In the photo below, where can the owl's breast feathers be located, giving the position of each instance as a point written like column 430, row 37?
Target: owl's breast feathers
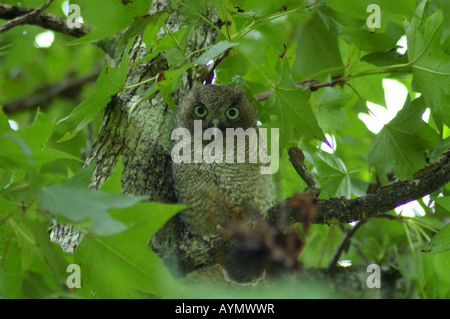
column 216, row 193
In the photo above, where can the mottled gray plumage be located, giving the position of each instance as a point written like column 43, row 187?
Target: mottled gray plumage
column 217, row 193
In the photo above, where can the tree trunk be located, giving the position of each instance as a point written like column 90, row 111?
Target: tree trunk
column 142, row 137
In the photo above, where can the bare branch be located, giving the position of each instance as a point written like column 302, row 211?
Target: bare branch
column 313, row 85
column 45, row 20
column 386, row 198
column 344, row 244
column 23, row 19
column 296, row 157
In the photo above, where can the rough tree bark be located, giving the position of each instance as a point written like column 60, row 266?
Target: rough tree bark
column 142, row 137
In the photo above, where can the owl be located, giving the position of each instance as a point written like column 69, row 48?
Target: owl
column 219, row 192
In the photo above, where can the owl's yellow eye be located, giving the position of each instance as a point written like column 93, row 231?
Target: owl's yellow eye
column 200, row 111
column 233, row 113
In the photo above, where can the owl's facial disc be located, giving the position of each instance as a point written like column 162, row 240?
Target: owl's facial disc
column 215, row 123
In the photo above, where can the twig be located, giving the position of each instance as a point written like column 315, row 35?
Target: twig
column 296, row 157
column 45, row 20
column 55, row 23
column 23, row 19
column 342, row 210
column 268, row 18
column 344, row 244
column 313, row 85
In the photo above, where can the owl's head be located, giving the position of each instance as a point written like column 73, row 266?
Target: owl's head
column 220, row 106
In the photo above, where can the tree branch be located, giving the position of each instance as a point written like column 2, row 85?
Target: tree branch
column 313, row 85
column 55, row 23
column 344, row 244
column 191, row 257
column 22, row 19
column 386, row 198
column 328, row 211
column 69, row 87
column 45, row 20
column 296, row 157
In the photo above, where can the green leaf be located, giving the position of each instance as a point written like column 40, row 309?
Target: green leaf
column 53, row 269
column 177, row 55
column 358, row 8
column 115, row 16
column 440, row 242
column 32, row 266
column 327, row 107
column 147, row 94
column 139, row 24
column 430, row 62
column 109, row 82
column 38, row 133
column 153, row 28
column 114, row 182
column 4, row 124
column 172, row 40
column 173, row 43
column 321, row 60
column 388, row 59
column 370, row 87
column 400, row 145
column 25, row 148
column 428, row 273
column 439, row 149
column 441, row 263
column 125, row 261
column 11, row 265
column 169, row 80
column 215, row 51
column 445, row 37
column 444, row 202
column 74, row 201
column 291, row 106
column 330, row 171
column 374, row 41
column 167, row 90
column 138, row 6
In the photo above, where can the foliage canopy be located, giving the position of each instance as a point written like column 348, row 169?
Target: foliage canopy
column 272, row 46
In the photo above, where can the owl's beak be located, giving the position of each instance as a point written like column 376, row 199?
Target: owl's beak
column 215, row 123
